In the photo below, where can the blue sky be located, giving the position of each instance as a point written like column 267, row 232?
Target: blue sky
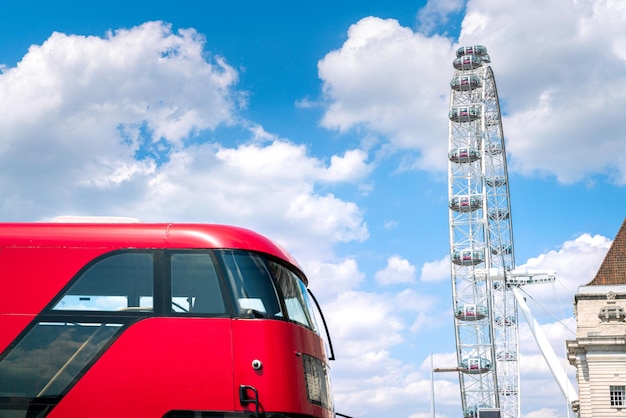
column 324, row 126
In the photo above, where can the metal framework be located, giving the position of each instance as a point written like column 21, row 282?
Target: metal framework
column 481, row 240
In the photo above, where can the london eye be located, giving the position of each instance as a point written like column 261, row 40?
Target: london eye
column 481, row 240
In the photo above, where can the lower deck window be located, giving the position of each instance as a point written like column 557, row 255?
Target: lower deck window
column 46, row 360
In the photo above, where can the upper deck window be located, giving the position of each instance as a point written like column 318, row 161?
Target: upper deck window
column 195, row 284
column 120, row 282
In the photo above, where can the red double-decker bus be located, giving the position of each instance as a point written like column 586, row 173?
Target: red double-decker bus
column 155, row 320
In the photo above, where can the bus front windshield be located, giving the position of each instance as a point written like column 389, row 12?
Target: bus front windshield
column 254, row 279
column 295, row 296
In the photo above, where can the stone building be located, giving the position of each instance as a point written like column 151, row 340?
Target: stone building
column 599, row 351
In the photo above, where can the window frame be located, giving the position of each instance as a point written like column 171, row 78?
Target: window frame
column 617, row 396
column 167, row 282
column 161, row 287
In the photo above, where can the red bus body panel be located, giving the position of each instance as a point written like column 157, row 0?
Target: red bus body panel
column 278, row 345
column 200, row 373
column 157, row 364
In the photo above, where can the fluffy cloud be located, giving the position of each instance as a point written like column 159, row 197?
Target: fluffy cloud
column 543, row 413
column 267, row 187
column 436, row 13
column 576, row 264
column 385, row 78
column 363, row 315
column 435, row 271
column 398, row 270
column 329, row 280
column 557, row 68
column 82, row 112
column 365, row 328
column 90, row 122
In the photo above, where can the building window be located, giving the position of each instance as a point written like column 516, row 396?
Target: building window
column 618, row 395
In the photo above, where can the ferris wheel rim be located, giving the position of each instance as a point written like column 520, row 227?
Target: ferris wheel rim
column 481, row 237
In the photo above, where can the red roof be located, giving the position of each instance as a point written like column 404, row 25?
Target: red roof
column 613, row 268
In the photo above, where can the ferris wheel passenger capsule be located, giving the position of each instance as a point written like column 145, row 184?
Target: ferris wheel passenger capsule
column 506, row 320
column 475, row 365
column 467, row 62
column 506, row 356
column 464, row 113
column 495, row 181
column 479, row 50
column 472, row 411
column 465, row 83
column 468, row 257
column 493, row 149
column 504, row 250
column 471, row 312
column 463, row 155
column 466, row 203
column 498, row 214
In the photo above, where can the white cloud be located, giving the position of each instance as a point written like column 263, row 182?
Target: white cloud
column 557, row 68
column 426, row 309
column 269, row 188
column 282, row 158
column 542, row 413
column 369, row 322
column 351, row 166
column 146, row 74
column 89, row 122
column 398, row 270
column 329, row 280
column 82, row 112
column 387, row 79
column 436, row 13
column 390, row 224
column 436, row 271
column 367, row 328
column 576, row 264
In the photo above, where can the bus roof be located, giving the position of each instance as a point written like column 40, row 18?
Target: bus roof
column 138, row 235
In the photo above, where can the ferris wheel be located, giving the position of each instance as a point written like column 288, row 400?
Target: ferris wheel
column 481, row 241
